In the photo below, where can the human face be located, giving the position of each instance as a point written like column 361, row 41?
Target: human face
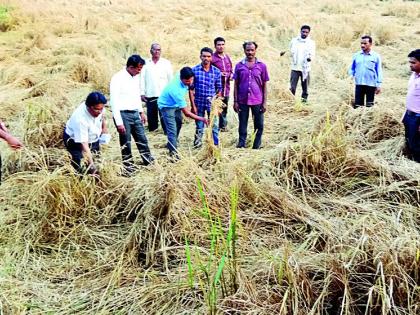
column 155, row 51
column 220, row 47
column 96, row 110
column 133, row 71
column 414, row 64
column 304, row 33
column 205, row 58
column 250, row 51
column 365, row 45
column 188, row 82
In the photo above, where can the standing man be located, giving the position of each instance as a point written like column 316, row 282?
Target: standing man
column 207, row 84
column 222, row 61
column 412, row 114
column 156, row 74
column 302, row 50
column 250, row 93
column 128, row 112
column 366, row 69
column 171, row 103
column 12, row 141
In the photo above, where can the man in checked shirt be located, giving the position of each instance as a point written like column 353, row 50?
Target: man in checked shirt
column 207, row 84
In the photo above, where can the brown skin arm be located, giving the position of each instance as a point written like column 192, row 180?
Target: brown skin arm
column 192, row 101
column 235, row 97
column 104, row 127
column 194, row 116
column 264, row 104
column 12, row 141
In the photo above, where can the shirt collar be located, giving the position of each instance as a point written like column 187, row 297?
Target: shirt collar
column 369, row 53
column 244, row 61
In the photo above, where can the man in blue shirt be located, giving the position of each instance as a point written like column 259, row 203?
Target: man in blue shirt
column 207, row 84
column 171, row 103
column 366, row 68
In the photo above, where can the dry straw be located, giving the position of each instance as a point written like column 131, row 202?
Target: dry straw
column 324, row 219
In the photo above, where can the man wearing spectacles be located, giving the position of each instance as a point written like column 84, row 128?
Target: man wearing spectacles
column 128, row 112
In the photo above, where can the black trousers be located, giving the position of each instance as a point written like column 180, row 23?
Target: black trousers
column 363, row 91
column 223, row 115
column 133, row 127
column 153, row 114
column 258, row 117
column 412, row 134
column 76, row 151
column 294, row 79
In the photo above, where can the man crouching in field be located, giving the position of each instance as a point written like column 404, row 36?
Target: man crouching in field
column 411, row 118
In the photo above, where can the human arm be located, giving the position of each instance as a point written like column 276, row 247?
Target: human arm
column 104, row 126
column 192, row 101
column 235, row 96
column 218, row 83
column 264, row 90
column 115, row 106
column 12, row 141
column 378, row 69
column 143, row 85
column 352, row 69
column 194, row 116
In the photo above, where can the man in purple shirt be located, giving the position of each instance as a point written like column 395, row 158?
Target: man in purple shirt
column 250, row 93
column 222, row 61
column 412, row 114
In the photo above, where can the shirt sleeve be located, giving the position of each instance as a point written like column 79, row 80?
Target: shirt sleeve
column 379, row 71
column 115, row 106
column 352, row 69
column 143, row 81
column 313, row 48
column 235, row 74
column 218, row 83
column 265, row 76
column 178, row 98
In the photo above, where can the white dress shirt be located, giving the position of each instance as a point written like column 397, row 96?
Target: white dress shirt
column 155, row 76
column 83, row 127
column 125, row 94
column 301, row 49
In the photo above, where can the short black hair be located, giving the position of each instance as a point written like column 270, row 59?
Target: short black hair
column 135, row 61
column 415, row 54
column 305, row 27
column 95, row 98
column 249, row 43
column 218, row 39
column 186, row 73
column 368, row 37
column 206, row 49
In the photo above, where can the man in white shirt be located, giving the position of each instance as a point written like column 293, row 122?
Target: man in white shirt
column 83, row 131
column 156, row 74
column 302, row 50
column 128, row 112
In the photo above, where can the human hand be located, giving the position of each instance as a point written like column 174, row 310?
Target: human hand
column 14, row 142
column 206, row 121
column 121, row 129
column 263, row 108
column 143, row 98
column 236, row 107
column 378, row 90
column 143, row 118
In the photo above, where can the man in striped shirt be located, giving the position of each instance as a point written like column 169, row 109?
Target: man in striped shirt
column 207, row 84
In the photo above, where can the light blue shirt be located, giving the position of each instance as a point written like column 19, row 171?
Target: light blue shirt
column 173, row 95
column 366, row 69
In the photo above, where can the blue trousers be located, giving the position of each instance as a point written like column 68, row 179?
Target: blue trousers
column 412, row 134
column 172, row 117
column 199, row 131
